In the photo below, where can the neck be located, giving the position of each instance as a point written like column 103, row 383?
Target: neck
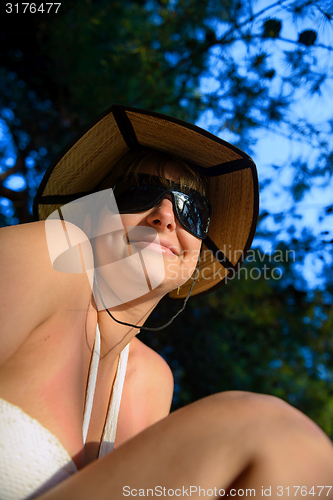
column 115, row 336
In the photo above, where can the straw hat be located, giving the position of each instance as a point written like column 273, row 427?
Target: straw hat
column 231, row 173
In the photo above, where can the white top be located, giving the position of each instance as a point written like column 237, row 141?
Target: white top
column 32, row 459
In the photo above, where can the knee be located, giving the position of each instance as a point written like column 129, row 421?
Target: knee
column 270, row 432
column 267, row 414
column 251, row 404
column 279, row 426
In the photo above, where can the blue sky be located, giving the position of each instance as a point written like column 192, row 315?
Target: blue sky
column 278, row 147
column 272, row 148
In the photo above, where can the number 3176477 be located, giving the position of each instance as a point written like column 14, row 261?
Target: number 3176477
column 32, row 8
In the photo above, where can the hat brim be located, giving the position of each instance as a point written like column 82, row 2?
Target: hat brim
column 232, row 181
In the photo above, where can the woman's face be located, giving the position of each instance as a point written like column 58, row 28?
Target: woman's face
column 151, row 252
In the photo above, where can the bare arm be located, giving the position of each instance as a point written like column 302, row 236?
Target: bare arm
column 31, row 290
column 223, row 442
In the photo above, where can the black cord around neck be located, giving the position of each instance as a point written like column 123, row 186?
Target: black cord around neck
column 146, row 327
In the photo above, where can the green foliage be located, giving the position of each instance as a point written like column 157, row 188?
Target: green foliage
column 258, row 333
column 154, row 54
column 243, row 68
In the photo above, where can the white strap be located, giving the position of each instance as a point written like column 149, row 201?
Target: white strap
column 91, row 384
column 110, row 428
column 109, row 434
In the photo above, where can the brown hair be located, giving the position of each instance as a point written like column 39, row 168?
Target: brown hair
column 132, row 162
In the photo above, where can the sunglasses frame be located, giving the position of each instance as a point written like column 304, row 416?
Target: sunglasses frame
column 173, row 190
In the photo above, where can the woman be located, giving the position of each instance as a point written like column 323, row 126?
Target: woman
column 76, row 290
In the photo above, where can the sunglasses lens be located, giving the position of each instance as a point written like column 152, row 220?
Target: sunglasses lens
column 137, row 198
column 192, row 208
column 193, row 213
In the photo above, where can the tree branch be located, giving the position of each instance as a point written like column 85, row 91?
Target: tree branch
column 14, row 196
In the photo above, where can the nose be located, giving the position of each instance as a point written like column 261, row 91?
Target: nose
column 162, row 215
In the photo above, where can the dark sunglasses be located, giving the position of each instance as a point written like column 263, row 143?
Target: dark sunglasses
column 141, row 192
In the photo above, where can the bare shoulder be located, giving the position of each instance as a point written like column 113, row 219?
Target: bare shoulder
column 147, row 393
column 31, row 289
column 150, row 369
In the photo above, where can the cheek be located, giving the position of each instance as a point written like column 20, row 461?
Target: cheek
column 189, row 242
column 110, row 248
column 110, row 242
column 192, row 248
column 130, row 220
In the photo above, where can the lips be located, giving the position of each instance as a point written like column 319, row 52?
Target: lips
column 167, row 244
column 146, row 236
column 159, row 244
